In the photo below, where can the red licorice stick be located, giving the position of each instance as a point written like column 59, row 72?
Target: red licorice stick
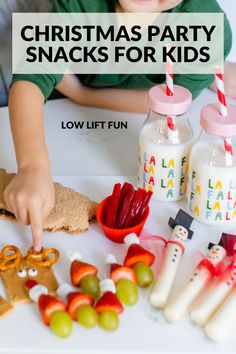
column 120, row 221
column 113, row 205
column 137, row 200
column 143, row 207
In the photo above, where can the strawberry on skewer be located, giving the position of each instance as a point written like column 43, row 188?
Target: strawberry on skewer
column 52, row 310
column 108, row 306
column 139, row 259
column 79, row 305
column 84, row 275
column 125, row 280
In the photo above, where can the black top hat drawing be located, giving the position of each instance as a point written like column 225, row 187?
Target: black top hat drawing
column 228, row 242
column 182, row 219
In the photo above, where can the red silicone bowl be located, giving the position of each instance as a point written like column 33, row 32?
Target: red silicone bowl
column 118, row 235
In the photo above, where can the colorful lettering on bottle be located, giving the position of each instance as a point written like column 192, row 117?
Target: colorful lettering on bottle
column 170, row 193
column 208, row 214
column 184, row 159
column 216, row 206
column 182, row 181
column 151, row 170
column 218, row 216
column 218, row 185
column 163, row 165
column 196, row 210
column 171, row 164
column 208, row 205
column 171, row 173
column 170, row 183
column 151, row 181
column 198, row 189
column 162, row 184
column 209, row 184
column 193, row 174
column 229, row 196
column 145, row 168
column 153, row 161
column 220, row 196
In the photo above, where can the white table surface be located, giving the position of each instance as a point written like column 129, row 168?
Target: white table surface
column 111, row 154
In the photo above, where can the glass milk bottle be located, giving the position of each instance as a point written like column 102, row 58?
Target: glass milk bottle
column 211, row 190
column 164, row 144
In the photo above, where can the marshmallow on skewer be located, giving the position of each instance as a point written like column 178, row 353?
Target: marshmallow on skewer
column 173, row 254
column 205, row 270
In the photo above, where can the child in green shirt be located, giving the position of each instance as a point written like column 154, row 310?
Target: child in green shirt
column 30, row 195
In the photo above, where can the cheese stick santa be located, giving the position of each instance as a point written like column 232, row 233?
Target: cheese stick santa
column 219, row 289
column 172, row 257
column 224, row 320
column 201, row 276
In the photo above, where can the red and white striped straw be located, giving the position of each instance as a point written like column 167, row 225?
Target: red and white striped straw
column 171, row 126
column 169, row 75
column 219, row 80
column 221, row 90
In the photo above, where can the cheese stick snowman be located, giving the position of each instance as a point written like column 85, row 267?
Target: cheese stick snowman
column 219, row 289
column 224, row 319
column 172, row 257
column 201, row 276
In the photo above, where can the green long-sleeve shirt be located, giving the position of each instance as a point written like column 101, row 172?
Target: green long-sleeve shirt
column 194, row 82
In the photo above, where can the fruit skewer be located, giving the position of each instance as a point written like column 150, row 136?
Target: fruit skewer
column 125, row 280
column 79, row 305
column 108, row 306
column 52, row 310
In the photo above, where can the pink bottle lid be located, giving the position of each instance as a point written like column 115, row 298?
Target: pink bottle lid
column 175, row 105
column 214, row 123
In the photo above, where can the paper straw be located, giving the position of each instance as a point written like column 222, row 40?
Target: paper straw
column 172, row 133
column 169, row 75
column 221, row 91
column 224, row 112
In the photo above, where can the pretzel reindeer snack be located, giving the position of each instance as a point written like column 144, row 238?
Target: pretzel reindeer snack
column 16, row 270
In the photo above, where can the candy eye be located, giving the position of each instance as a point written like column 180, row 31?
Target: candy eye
column 32, row 272
column 22, row 273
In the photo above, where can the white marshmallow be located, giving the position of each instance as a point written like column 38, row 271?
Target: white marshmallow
column 131, row 239
column 37, row 291
column 110, row 259
column 74, row 256
column 64, row 289
column 107, row 285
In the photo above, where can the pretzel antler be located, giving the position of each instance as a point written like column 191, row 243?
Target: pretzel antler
column 10, row 257
column 45, row 258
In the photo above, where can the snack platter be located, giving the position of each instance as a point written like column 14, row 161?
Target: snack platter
column 142, row 330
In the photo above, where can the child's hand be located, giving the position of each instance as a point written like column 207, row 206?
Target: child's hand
column 30, row 197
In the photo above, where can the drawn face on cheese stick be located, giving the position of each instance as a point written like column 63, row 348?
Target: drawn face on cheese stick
column 199, row 279
column 179, row 234
column 173, row 254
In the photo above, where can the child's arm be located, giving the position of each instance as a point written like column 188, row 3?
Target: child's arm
column 30, row 194
column 125, row 100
